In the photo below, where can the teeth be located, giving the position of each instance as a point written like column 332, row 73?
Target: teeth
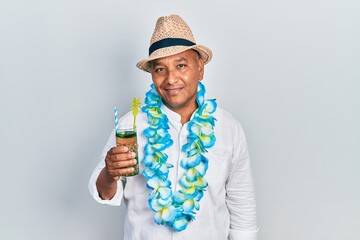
column 173, row 91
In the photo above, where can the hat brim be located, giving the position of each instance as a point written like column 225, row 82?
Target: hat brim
column 205, row 53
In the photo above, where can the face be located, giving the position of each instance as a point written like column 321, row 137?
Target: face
column 176, row 80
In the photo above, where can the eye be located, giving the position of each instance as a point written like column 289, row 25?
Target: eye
column 181, row 65
column 159, row 69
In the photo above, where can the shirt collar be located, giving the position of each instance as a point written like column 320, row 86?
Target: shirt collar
column 173, row 115
column 169, row 113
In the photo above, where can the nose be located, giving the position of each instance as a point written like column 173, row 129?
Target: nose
column 171, row 77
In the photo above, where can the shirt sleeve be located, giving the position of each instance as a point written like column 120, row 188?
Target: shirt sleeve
column 240, row 194
column 116, row 200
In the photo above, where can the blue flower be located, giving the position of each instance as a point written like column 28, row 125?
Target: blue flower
column 191, row 188
column 180, row 224
column 200, row 94
column 166, row 214
column 178, row 198
column 156, row 183
column 152, row 148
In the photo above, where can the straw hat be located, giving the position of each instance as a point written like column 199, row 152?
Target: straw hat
column 171, row 36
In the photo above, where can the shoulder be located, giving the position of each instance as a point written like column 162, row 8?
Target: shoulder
column 228, row 127
column 224, row 118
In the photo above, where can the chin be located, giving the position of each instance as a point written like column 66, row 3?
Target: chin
column 173, row 105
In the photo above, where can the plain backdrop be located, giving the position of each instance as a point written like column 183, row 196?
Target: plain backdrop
column 289, row 71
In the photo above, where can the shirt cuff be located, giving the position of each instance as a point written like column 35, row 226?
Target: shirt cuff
column 243, row 235
column 116, row 199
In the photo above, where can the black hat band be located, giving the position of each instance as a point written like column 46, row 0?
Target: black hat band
column 169, row 42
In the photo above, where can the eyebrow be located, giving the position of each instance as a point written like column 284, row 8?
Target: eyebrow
column 182, row 59
column 156, row 62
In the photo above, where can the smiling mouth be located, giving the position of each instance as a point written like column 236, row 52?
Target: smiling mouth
column 173, row 91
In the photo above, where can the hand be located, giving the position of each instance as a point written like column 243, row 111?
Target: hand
column 119, row 162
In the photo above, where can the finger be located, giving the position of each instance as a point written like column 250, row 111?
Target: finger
column 123, row 164
column 119, row 149
column 112, row 165
column 121, row 172
column 120, row 157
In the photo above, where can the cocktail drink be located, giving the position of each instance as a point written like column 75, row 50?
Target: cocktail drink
column 127, row 137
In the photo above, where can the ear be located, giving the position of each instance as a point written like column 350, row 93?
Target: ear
column 201, row 69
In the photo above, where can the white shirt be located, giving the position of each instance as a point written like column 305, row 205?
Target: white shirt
column 228, row 205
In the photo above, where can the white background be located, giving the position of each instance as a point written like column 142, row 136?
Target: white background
column 288, row 70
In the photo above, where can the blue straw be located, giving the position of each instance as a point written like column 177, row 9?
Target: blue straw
column 116, row 120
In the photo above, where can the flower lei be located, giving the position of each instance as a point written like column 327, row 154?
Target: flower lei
column 176, row 209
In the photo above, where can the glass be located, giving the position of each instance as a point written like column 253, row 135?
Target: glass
column 126, row 136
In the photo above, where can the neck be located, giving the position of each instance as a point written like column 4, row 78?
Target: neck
column 185, row 118
column 185, row 112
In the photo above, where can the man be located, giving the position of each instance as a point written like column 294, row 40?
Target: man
column 195, row 181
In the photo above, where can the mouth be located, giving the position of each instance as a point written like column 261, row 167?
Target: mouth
column 172, row 91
